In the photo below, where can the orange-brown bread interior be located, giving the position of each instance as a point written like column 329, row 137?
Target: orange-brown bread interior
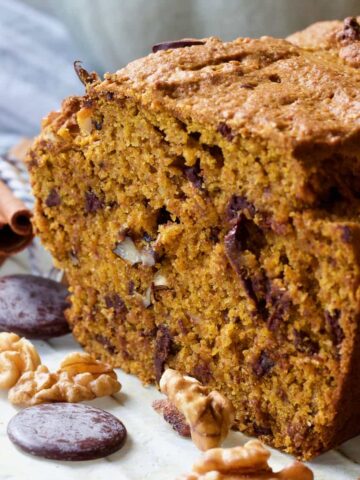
column 204, row 204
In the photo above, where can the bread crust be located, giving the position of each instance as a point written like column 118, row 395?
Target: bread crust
column 207, row 220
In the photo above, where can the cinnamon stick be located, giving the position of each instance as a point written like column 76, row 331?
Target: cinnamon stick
column 15, row 225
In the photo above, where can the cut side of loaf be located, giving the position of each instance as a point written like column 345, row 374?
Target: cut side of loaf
column 203, row 202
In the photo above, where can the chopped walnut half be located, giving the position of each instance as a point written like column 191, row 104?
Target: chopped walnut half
column 127, row 250
column 241, row 463
column 172, row 416
column 79, row 378
column 81, row 362
column 253, row 457
column 208, row 413
column 17, row 355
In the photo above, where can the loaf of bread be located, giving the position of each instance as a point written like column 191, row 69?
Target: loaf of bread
column 204, row 204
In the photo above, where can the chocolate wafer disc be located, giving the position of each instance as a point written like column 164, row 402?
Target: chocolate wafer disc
column 67, row 431
column 33, row 307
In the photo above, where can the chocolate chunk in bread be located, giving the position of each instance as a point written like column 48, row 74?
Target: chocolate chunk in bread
column 214, row 216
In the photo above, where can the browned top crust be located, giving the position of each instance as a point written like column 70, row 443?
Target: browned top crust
column 342, row 39
column 266, row 88
column 319, row 35
column 322, row 35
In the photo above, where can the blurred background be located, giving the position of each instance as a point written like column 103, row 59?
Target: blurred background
column 40, row 39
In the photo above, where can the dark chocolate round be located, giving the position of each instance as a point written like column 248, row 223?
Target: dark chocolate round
column 186, row 42
column 66, row 431
column 33, row 307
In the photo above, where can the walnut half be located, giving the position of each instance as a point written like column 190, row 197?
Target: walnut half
column 241, row 463
column 17, row 356
column 79, row 378
column 208, row 413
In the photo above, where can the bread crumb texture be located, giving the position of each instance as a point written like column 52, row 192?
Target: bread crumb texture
column 203, row 202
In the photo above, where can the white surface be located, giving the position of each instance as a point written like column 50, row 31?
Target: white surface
column 153, row 451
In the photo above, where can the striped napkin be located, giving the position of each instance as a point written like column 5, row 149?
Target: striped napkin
column 14, row 174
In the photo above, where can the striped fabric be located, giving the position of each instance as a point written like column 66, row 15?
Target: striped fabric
column 14, row 174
